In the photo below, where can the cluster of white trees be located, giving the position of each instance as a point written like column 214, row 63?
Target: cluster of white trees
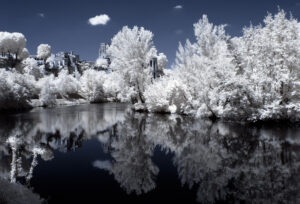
column 98, row 86
column 130, row 73
column 27, row 80
column 13, row 45
column 252, row 77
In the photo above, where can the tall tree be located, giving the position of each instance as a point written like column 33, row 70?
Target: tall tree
column 131, row 51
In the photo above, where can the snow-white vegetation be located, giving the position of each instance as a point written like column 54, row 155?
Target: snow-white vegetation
column 43, row 51
column 252, row 77
column 12, row 44
column 168, row 95
column 24, row 54
column 30, row 66
column 62, row 86
column 15, row 90
column 131, row 51
column 98, row 86
column 201, row 70
column 101, row 62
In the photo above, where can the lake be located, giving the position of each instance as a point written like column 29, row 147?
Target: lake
column 106, row 152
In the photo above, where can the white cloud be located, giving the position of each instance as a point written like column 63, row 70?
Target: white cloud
column 99, row 20
column 178, row 7
column 42, row 15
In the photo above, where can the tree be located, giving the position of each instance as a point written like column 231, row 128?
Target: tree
column 31, row 67
column 162, row 61
column 205, row 67
column 18, row 43
column 43, row 51
column 167, row 95
column 92, row 85
column 24, row 54
column 12, row 43
column 270, row 61
column 131, row 51
column 15, row 90
column 4, row 36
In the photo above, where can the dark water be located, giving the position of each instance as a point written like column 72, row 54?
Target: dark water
column 96, row 153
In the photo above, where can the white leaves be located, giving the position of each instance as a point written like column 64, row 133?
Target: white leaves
column 101, row 62
column 24, row 54
column 252, row 77
column 131, row 51
column 162, row 61
column 98, row 86
column 63, row 86
column 169, row 95
column 15, row 90
column 12, row 42
column 31, row 68
column 43, row 51
column 209, row 36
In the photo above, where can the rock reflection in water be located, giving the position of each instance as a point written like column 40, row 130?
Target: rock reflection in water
column 224, row 161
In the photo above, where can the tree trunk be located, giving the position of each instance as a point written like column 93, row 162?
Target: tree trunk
column 140, row 94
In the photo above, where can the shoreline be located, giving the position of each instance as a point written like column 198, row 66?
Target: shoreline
column 35, row 103
column 59, row 102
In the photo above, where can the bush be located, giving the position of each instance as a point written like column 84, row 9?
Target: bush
column 15, row 90
column 168, row 95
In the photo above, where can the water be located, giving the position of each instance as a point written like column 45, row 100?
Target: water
column 106, row 152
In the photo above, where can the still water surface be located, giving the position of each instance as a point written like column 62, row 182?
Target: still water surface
column 103, row 152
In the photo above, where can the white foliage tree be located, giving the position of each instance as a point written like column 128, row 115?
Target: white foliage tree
column 44, row 51
column 269, row 59
column 162, row 62
column 101, row 62
column 15, row 90
column 92, row 85
column 203, row 68
column 98, row 86
column 48, row 91
column 67, row 85
column 18, row 43
column 168, row 95
column 24, row 54
column 31, row 67
column 131, row 51
column 12, row 43
column 3, row 42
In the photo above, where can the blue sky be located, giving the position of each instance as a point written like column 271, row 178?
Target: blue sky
column 64, row 24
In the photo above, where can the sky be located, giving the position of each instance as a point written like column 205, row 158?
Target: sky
column 81, row 25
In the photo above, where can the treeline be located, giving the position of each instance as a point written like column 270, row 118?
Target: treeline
column 252, row 77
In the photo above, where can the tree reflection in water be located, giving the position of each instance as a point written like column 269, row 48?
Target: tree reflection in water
column 131, row 150
column 224, row 161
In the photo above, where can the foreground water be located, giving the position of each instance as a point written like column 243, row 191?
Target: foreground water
column 106, row 152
